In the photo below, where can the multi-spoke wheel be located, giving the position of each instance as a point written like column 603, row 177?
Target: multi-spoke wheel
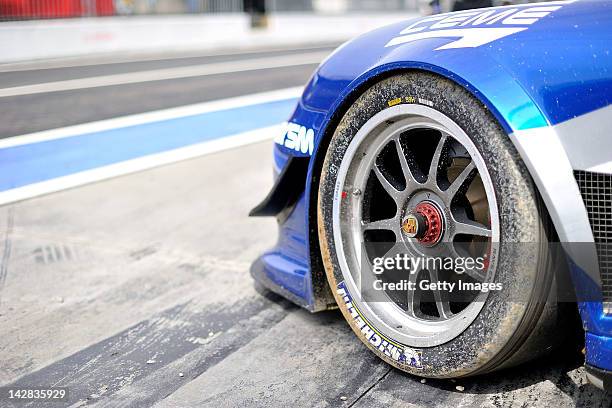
column 414, row 184
column 418, row 169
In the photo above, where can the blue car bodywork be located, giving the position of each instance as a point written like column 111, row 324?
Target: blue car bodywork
column 544, row 71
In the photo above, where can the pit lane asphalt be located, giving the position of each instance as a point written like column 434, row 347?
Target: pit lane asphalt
column 135, row 292
column 30, row 113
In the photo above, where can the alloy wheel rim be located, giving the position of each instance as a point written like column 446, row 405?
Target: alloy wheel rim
column 366, row 164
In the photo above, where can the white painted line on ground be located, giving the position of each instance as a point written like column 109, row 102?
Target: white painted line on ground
column 154, row 116
column 168, row 73
column 114, row 58
column 139, row 164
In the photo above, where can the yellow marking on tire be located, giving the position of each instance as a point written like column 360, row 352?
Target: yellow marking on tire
column 395, row 101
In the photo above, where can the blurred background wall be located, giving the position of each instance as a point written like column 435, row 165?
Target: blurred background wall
column 45, row 9
column 46, row 29
column 36, row 9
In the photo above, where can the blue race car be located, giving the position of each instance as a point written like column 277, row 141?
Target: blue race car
column 447, row 184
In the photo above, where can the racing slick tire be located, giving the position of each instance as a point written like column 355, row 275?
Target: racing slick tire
column 367, row 191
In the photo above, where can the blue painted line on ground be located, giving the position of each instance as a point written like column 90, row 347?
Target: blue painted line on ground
column 41, row 161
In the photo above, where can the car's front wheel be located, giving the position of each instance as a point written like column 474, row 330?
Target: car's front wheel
column 418, row 168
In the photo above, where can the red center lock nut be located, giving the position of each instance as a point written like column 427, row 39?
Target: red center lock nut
column 424, row 223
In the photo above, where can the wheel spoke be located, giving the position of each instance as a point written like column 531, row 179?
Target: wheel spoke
column 413, row 297
column 478, row 274
column 461, row 183
column 408, row 176
column 437, row 160
column 389, row 224
column 471, row 228
column 386, row 184
column 440, row 297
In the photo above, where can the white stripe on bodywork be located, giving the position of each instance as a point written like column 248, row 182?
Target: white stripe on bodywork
column 587, row 140
column 465, row 37
column 601, row 168
column 547, row 160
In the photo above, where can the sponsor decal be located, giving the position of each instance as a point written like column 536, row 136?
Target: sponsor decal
column 296, row 137
column 468, row 29
column 403, row 355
